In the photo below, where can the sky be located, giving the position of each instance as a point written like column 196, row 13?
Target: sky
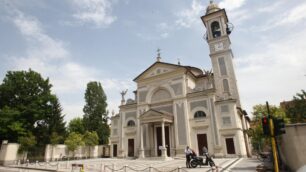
column 72, row 42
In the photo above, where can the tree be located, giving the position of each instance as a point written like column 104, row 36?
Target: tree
column 27, row 105
column 296, row 109
column 73, row 141
column 55, row 120
column 95, row 113
column 26, row 143
column 259, row 141
column 76, row 125
column 90, row 139
column 11, row 128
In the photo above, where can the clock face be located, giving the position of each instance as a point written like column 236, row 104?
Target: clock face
column 219, row 46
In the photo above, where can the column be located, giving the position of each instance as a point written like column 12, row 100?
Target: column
column 164, row 150
column 141, row 150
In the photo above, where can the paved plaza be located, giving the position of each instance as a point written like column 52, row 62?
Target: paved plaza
column 125, row 165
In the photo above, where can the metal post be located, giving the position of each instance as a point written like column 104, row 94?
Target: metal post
column 101, row 167
column 275, row 158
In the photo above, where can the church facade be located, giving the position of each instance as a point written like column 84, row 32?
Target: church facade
column 177, row 106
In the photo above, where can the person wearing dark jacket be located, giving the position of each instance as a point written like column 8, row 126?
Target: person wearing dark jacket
column 188, row 153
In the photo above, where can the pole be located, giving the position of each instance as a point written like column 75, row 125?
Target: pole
column 275, row 158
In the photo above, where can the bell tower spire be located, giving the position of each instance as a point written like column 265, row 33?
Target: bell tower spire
column 218, row 30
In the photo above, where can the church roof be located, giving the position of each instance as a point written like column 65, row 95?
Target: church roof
column 196, row 72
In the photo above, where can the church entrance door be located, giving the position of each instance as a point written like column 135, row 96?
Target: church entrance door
column 202, row 141
column 114, row 150
column 230, row 146
column 160, row 142
column 130, row 147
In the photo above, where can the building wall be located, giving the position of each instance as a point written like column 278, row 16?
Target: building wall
column 9, row 153
column 293, row 146
column 61, row 151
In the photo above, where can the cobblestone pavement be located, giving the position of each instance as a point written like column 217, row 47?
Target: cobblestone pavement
column 125, row 165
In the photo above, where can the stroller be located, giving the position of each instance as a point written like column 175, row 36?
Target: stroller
column 195, row 161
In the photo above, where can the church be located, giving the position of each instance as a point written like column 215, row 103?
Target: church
column 177, row 106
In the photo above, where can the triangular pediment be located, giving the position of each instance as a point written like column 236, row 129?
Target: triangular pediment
column 156, row 69
column 155, row 116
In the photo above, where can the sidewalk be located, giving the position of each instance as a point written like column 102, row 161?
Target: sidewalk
column 246, row 165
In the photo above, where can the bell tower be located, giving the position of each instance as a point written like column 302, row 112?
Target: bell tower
column 217, row 34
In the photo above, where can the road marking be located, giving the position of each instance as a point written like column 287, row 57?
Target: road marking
column 231, row 165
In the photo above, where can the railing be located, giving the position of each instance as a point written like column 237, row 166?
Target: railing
column 127, row 168
column 74, row 166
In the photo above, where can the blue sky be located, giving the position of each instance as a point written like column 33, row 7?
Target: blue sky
column 112, row 41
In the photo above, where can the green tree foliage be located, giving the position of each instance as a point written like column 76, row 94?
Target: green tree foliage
column 73, row 141
column 55, row 139
column 90, row 139
column 76, row 125
column 27, row 143
column 259, row 141
column 27, row 105
column 95, row 113
column 296, row 110
column 55, row 120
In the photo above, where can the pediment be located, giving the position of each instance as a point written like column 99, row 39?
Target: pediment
column 158, row 68
column 155, row 116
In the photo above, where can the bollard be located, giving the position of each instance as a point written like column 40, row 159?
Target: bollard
column 101, row 167
column 125, row 168
column 82, row 168
column 113, row 169
column 179, row 169
column 27, row 162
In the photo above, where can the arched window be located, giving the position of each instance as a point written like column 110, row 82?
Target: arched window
column 215, row 29
column 225, row 85
column 199, row 114
column 131, row 123
column 161, row 95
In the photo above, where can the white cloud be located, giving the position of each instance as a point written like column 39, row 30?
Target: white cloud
column 284, row 18
column 97, row 12
column 51, row 58
column 43, row 45
column 188, row 17
column 294, row 15
column 275, row 72
column 231, row 5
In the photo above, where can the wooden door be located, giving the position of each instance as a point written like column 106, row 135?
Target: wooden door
column 202, row 141
column 131, row 147
column 114, row 150
column 103, row 152
column 159, row 140
column 167, row 140
column 230, row 147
